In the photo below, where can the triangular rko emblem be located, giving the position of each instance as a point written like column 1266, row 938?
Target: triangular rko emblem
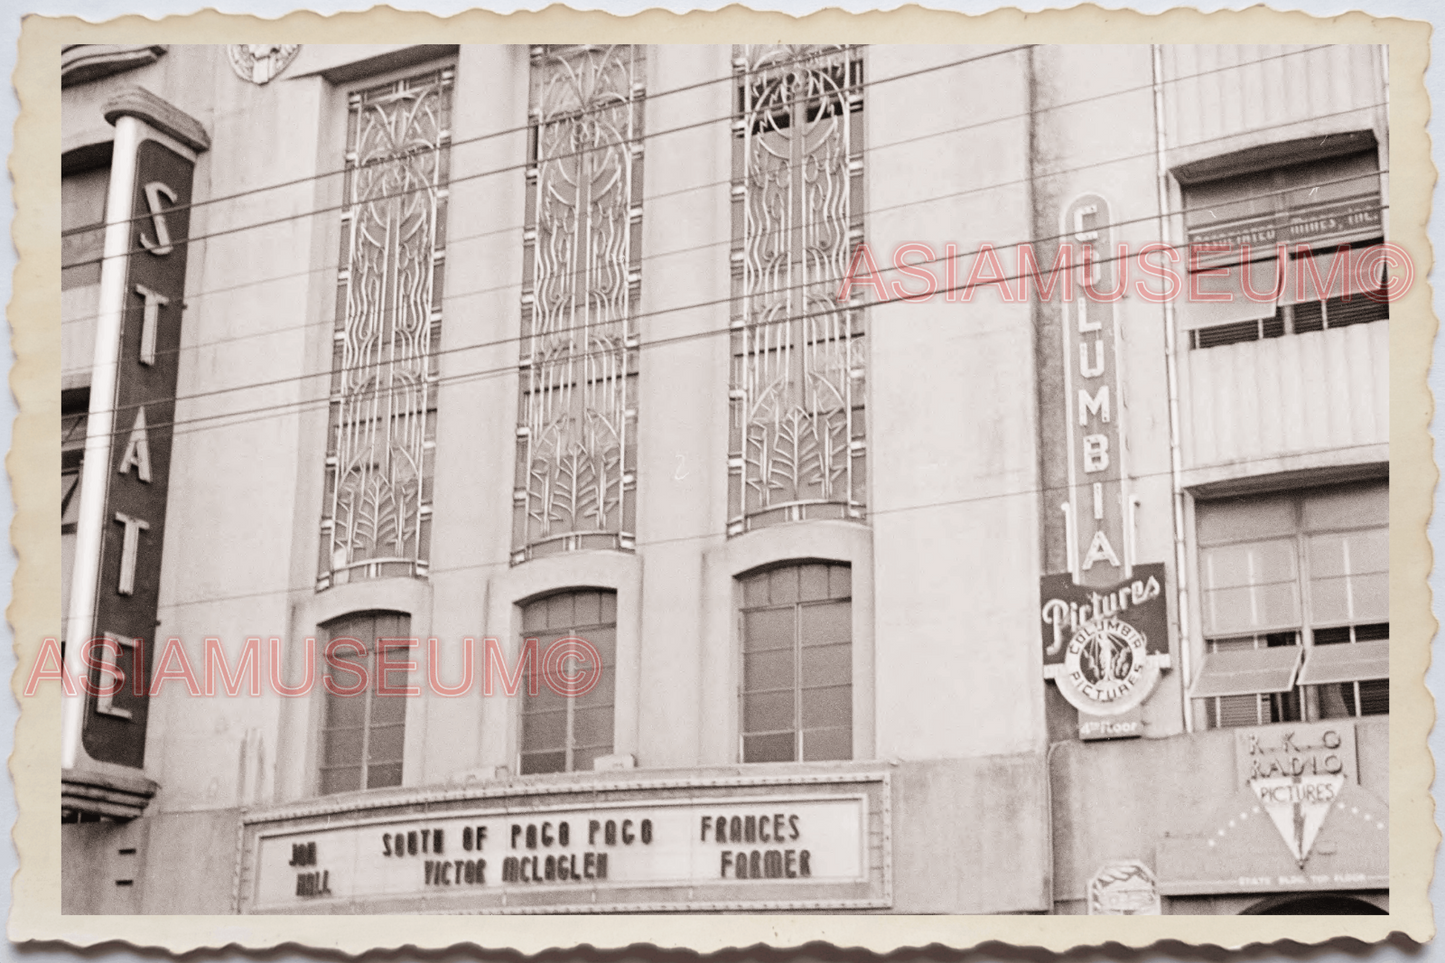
column 1298, row 806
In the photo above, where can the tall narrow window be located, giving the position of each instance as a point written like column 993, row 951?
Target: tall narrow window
column 72, row 454
column 576, row 446
column 567, row 733
column 82, row 241
column 797, row 384
column 797, row 689
column 376, row 519
column 363, row 732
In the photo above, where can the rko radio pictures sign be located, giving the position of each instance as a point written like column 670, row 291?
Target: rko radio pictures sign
column 1104, row 621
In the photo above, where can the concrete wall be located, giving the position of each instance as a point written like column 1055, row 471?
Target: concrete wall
column 970, row 836
column 951, row 434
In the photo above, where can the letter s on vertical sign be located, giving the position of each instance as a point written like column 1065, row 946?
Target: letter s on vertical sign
column 161, row 246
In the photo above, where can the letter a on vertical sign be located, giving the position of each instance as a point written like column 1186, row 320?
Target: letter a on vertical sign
column 128, row 592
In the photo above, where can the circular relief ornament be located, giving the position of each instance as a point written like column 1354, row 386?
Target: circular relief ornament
column 261, row 62
column 1107, row 670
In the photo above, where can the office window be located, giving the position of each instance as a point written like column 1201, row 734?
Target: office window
column 797, row 687
column 582, row 260
column 567, row 733
column 362, row 734
column 82, row 242
column 73, row 417
column 1322, row 205
column 797, row 428
column 82, row 226
column 376, row 516
column 1294, row 598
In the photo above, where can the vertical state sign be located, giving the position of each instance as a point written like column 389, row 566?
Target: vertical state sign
column 133, row 524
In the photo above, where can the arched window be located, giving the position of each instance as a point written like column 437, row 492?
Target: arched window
column 797, row 691
column 568, row 733
column 363, row 733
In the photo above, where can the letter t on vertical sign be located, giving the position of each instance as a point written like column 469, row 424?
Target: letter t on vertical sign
column 121, row 526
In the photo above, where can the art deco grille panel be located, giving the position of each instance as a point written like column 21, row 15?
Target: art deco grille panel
column 797, row 432
column 376, row 519
column 576, row 447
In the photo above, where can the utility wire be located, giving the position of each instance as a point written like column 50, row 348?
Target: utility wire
column 646, row 136
column 833, row 282
column 232, row 419
column 310, row 587
column 728, row 119
column 519, row 285
column 521, row 129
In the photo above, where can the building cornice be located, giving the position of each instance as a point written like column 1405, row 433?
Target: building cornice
column 162, row 115
column 83, row 62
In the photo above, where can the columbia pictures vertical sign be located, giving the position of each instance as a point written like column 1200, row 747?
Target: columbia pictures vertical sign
column 1105, row 628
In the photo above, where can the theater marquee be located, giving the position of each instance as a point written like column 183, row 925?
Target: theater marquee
column 803, row 843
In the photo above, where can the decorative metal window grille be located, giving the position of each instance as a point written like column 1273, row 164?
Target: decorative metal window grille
column 376, row 519
column 797, row 433
column 576, row 432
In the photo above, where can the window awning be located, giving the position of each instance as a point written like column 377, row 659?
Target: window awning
column 1247, row 671
column 1309, row 277
column 1229, row 302
column 1346, row 662
column 1305, row 279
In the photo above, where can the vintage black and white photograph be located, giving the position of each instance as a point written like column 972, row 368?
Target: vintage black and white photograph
column 781, row 478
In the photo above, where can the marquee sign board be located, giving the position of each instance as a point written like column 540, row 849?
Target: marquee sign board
column 1105, row 616
column 750, row 845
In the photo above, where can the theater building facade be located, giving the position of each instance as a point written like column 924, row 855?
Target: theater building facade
column 727, row 589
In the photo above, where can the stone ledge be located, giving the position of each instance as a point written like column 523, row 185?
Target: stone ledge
column 82, row 63
column 108, row 793
column 164, row 116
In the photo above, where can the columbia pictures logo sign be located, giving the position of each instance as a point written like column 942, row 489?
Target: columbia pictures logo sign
column 1104, row 647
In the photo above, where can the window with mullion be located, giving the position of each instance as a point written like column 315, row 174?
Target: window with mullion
column 1308, row 569
column 72, row 455
column 363, row 733
column 569, row 733
column 797, row 667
